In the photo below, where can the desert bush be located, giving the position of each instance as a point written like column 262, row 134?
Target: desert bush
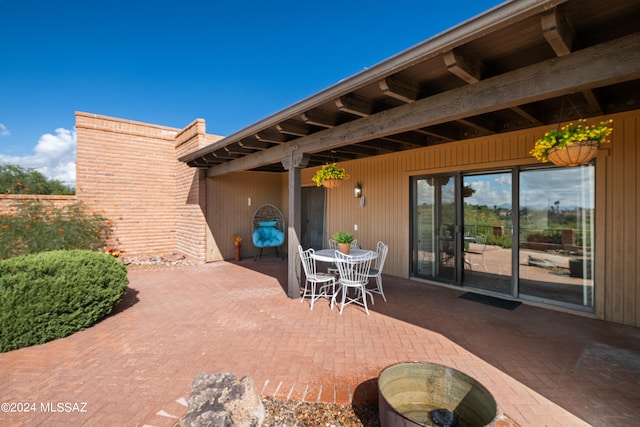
column 545, row 236
column 34, row 226
column 50, row 295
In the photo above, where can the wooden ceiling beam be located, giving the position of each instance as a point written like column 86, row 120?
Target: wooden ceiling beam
column 360, row 150
column 415, row 140
column 561, row 37
column 390, row 143
column 399, row 88
column 528, row 117
column 254, row 144
column 293, row 128
column 354, row 105
column 469, row 69
column 616, row 61
column 336, row 156
column 466, row 66
column 277, row 138
column 477, row 125
column 557, row 31
column 593, row 102
column 319, row 118
column 237, row 150
column 441, row 135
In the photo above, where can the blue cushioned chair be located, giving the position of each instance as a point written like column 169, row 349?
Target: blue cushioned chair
column 268, row 229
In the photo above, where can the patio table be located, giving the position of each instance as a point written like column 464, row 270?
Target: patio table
column 329, row 255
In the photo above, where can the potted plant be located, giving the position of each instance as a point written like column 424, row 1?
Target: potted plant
column 330, row 176
column 572, row 144
column 467, row 191
column 344, row 240
column 237, row 243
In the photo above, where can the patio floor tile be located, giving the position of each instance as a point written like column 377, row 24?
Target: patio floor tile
column 136, row 366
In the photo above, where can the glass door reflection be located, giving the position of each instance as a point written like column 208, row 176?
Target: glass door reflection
column 434, row 218
column 488, row 232
column 556, row 237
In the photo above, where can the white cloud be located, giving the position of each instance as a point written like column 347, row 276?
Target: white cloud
column 55, row 156
column 4, row 131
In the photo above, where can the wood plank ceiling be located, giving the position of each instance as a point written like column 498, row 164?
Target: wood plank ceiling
column 487, row 59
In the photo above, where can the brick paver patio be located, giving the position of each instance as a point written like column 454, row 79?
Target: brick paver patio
column 135, row 367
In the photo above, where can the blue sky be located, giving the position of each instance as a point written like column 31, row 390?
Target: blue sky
column 231, row 63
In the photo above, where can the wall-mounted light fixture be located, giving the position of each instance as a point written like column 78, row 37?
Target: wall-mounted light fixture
column 357, row 191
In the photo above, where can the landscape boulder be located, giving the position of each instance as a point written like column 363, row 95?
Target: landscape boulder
column 221, row 400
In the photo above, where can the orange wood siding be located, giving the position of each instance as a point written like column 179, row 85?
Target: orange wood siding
column 385, row 186
column 622, row 216
column 229, row 213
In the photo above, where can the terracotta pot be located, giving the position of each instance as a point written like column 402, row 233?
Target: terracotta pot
column 237, row 251
column 575, row 154
column 331, row 183
column 344, row 247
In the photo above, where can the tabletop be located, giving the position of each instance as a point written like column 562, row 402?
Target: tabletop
column 329, row 255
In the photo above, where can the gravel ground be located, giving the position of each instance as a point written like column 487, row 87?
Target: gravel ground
column 287, row 413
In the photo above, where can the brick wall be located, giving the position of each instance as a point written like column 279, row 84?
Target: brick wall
column 129, row 171
column 8, row 201
column 190, row 201
column 126, row 171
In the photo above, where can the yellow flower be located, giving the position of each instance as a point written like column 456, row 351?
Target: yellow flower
column 569, row 134
column 329, row 171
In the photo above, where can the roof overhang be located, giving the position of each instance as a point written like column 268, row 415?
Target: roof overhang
column 504, row 70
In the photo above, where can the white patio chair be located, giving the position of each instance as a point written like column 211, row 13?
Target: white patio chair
column 313, row 279
column 333, row 269
column 376, row 270
column 478, row 249
column 354, row 271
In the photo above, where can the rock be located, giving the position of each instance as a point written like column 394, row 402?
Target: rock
column 172, row 258
column 221, row 400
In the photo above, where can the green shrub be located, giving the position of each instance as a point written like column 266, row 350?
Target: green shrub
column 53, row 294
column 502, row 241
column 35, row 226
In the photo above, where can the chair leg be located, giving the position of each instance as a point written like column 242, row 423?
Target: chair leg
column 336, row 289
column 344, row 295
column 379, row 284
column 313, row 294
column 258, row 251
column 363, row 294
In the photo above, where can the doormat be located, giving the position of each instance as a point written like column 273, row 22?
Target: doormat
column 492, row 301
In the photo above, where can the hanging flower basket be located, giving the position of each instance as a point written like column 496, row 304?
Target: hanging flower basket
column 573, row 144
column 575, row 154
column 330, row 176
column 331, row 183
column 467, row 191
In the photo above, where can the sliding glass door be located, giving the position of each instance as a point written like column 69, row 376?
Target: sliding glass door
column 523, row 233
column 434, row 223
column 488, row 232
column 556, row 235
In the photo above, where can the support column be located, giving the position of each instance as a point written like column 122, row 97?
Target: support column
column 293, row 163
